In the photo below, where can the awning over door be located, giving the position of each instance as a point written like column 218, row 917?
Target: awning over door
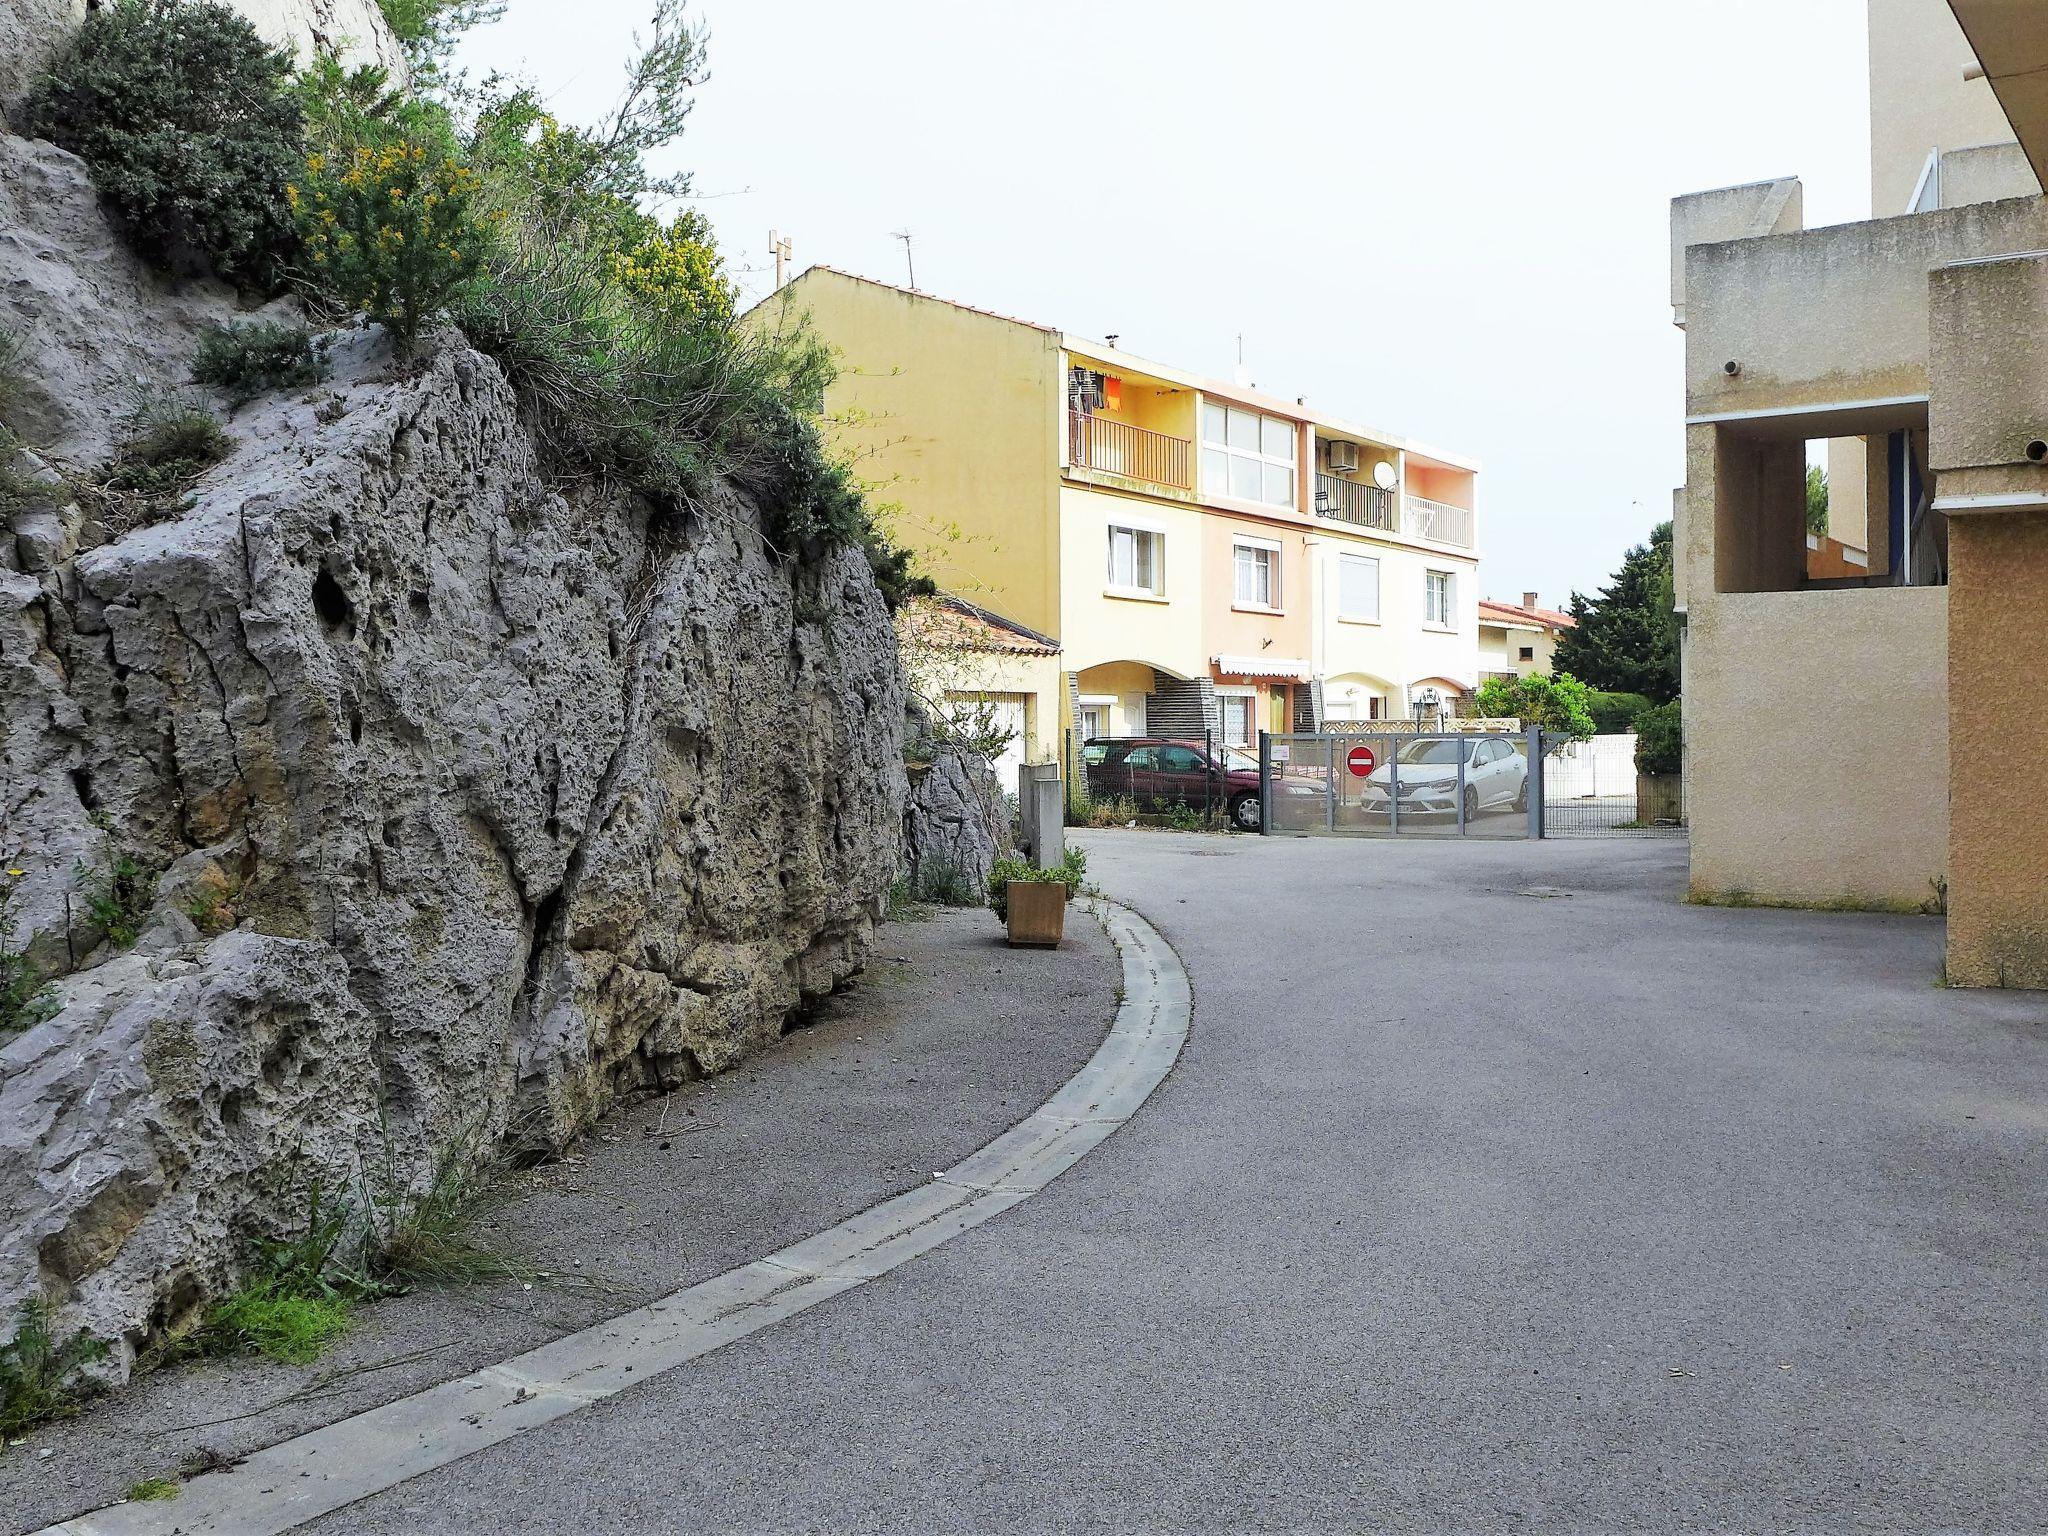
column 1292, row 668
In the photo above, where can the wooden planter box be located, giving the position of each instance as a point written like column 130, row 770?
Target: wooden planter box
column 1038, row 914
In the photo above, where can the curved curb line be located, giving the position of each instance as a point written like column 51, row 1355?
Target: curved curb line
column 310, row 1475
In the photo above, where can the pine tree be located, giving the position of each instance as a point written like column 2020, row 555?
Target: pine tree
column 1625, row 641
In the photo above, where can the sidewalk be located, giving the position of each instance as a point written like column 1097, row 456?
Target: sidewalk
column 949, row 1039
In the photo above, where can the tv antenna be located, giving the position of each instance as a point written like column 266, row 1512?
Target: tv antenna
column 908, row 260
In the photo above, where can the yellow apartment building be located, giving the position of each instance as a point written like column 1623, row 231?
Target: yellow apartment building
column 1205, row 556
column 1865, row 732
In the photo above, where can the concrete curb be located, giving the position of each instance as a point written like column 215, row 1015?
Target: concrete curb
column 298, row 1480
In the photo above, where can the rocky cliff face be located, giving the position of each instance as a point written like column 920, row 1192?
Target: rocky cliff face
column 475, row 804
column 353, row 31
column 957, row 824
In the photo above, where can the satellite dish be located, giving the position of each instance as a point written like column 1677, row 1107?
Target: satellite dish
column 1383, row 475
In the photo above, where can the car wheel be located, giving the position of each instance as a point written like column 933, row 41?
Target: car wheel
column 1522, row 796
column 1244, row 811
column 1471, row 804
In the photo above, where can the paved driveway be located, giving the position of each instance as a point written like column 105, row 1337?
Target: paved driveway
column 1495, row 1190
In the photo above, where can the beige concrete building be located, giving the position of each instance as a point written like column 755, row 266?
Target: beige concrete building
column 1869, row 735
column 1518, row 639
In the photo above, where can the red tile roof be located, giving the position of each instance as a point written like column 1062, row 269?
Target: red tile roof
column 952, row 623
column 1515, row 613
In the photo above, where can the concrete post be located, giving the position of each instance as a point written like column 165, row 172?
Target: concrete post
column 1041, row 813
column 1535, row 781
column 1051, row 847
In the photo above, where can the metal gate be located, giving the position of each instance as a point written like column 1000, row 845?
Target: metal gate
column 1407, row 784
column 1492, row 784
column 1592, row 789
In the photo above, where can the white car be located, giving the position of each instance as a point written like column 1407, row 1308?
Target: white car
column 1496, row 778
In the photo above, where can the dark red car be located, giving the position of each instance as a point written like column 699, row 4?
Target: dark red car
column 1160, row 772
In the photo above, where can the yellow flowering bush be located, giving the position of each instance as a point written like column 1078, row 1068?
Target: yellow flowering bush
column 390, row 229
column 676, row 270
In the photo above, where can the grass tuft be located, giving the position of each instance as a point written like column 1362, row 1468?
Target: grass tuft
column 433, row 1238
column 149, row 1489
column 40, row 1376
column 294, row 1328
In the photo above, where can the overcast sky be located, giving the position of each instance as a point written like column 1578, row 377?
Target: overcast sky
column 1444, row 219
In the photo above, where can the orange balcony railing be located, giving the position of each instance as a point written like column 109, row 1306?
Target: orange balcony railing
column 1137, row 453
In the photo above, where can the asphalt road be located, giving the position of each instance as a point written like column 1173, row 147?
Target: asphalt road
column 1495, row 1190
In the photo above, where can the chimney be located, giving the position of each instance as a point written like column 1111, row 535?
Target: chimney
column 1528, row 599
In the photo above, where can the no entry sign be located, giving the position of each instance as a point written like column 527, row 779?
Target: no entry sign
column 1360, row 761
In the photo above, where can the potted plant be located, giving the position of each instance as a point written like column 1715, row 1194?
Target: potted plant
column 1033, row 901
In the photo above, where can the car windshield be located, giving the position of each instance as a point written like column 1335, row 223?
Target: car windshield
column 1435, row 751
column 1240, row 762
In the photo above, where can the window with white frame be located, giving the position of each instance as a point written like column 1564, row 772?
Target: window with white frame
column 1358, row 588
column 1137, row 559
column 1238, row 712
column 1439, row 598
column 1258, row 572
column 1247, row 456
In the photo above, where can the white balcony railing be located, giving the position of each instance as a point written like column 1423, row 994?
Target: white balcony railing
column 1437, row 520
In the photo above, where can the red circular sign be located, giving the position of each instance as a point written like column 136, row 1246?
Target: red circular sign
column 1360, row 760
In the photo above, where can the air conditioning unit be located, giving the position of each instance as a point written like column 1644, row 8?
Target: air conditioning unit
column 1343, row 458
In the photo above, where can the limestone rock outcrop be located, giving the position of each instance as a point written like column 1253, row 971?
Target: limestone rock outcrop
column 473, row 802
column 956, row 825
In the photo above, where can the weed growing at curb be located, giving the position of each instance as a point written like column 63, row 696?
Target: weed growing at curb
column 149, row 1489
column 39, row 1376
column 295, row 1300
column 902, row 905
column 1896, row 906
column 433, row 1239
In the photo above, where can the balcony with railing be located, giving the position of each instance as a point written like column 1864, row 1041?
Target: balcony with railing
column 1346, row 501
column 1136, row 453
column 1436, row 520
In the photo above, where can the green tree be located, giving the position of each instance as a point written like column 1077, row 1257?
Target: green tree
column 1625, row 640
column 1816, row 500
column 1560, row 703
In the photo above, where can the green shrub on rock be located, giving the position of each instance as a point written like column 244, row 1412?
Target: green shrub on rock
column 168, row 447
column 184, row 116
column 251, row 360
